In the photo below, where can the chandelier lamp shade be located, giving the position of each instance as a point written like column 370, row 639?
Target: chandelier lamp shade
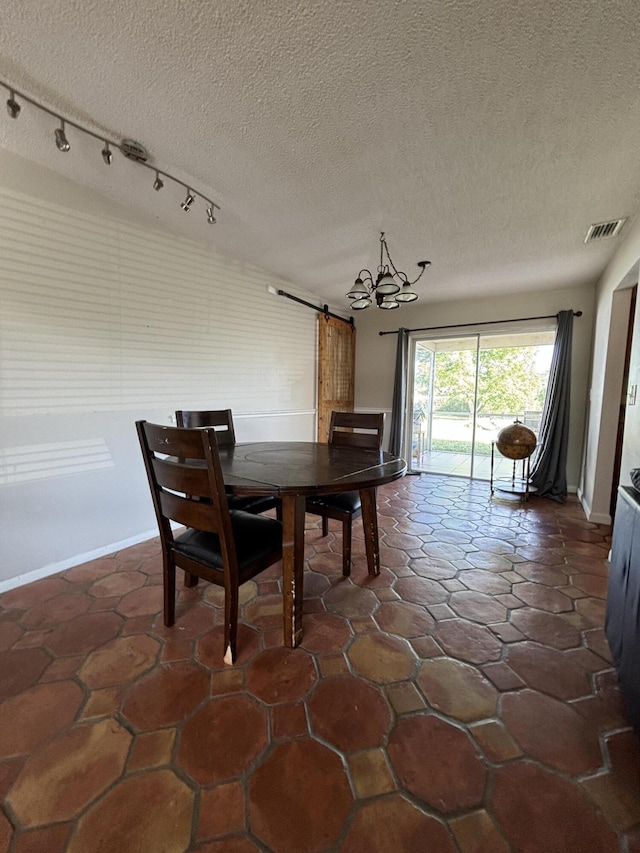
column 131, row 149
column 390, row 287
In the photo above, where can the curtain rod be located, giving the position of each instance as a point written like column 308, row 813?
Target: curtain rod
column 324, row 309
column 485, row 323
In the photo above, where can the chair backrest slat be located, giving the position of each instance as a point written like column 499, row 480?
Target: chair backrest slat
column 189, row 512
column 342, row 430
column 172, row 442
column 187, row 487
column 174, row 474
column 220, row 418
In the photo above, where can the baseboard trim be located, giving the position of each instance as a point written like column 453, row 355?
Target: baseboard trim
column 77, row 560
column 594, row 517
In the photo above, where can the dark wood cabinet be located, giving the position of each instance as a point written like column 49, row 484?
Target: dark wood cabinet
column 622, row 625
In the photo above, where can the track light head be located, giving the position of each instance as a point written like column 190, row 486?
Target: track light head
column 13, row 107
column 186, row 204
column 131, row 149
column 62, row 142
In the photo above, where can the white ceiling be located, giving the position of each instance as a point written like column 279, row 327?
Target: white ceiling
column 483, row 136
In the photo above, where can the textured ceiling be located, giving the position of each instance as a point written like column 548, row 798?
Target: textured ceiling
column 483, row 136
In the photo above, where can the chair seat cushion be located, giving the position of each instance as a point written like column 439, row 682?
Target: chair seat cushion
column 252, row 503
column 256, row 536
column 345, row 502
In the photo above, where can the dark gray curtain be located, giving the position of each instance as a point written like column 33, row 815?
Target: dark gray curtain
column 399, row 406
column 549, row 471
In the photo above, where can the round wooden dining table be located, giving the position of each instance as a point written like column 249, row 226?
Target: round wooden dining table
column 294, row 471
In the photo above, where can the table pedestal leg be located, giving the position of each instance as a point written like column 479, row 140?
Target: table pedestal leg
column 293, row 507
column 370, row 525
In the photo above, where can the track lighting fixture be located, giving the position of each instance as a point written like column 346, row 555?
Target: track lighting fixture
column 128, row 147
column 13, row 107
column 61, row 138
column 186, row 204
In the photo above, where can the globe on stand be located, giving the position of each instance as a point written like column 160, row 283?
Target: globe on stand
column 516, row 441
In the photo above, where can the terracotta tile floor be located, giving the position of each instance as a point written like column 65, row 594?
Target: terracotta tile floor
column 464, row 700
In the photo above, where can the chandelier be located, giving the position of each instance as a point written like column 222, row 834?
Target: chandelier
column 391, row 286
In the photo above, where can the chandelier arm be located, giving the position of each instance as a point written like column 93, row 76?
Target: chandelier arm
column 367, row 277
column 417, row 278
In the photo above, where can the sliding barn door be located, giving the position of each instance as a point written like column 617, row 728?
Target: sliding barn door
column 336, row 367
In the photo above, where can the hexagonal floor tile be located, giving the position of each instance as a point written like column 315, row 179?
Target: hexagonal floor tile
column 117, row 584
column 543, row 597
column 437, row 762
column 549, row 629
column 280, row 675
column 393, row 824
column 61, row 779
column 21, row 669
column 308, row 814
column 166, row 696
column 406, row 620
column 41, row 711
column 551, row 731
column 457, row 689
column 548, row 670
column 222, row 739
column 60, row 608
column 145, row 814
column 477, row 607
column 325, row 632
column 558, row 819
column 350, row 713
column 467, row 641
column 119, row 662
column 347, row 599
column 381, row 658
column 420, row 590
column 84, row 633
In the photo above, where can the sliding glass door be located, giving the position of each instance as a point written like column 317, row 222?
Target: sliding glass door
column 466, row 389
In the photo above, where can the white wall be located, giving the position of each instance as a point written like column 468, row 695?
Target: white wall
column 375, row 354
column 105, row 320
column 606, row 376
column 631, row 443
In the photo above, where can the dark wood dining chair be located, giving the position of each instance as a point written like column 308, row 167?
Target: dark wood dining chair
column 224, row 546
column 222, row 420
column 347, row 429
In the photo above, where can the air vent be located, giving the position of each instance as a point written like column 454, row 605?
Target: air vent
column 603, row 230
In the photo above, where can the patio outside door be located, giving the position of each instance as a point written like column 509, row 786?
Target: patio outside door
column 466, row 389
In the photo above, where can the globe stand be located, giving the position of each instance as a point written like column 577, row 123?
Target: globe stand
column 515, row 485
column 516, row 442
